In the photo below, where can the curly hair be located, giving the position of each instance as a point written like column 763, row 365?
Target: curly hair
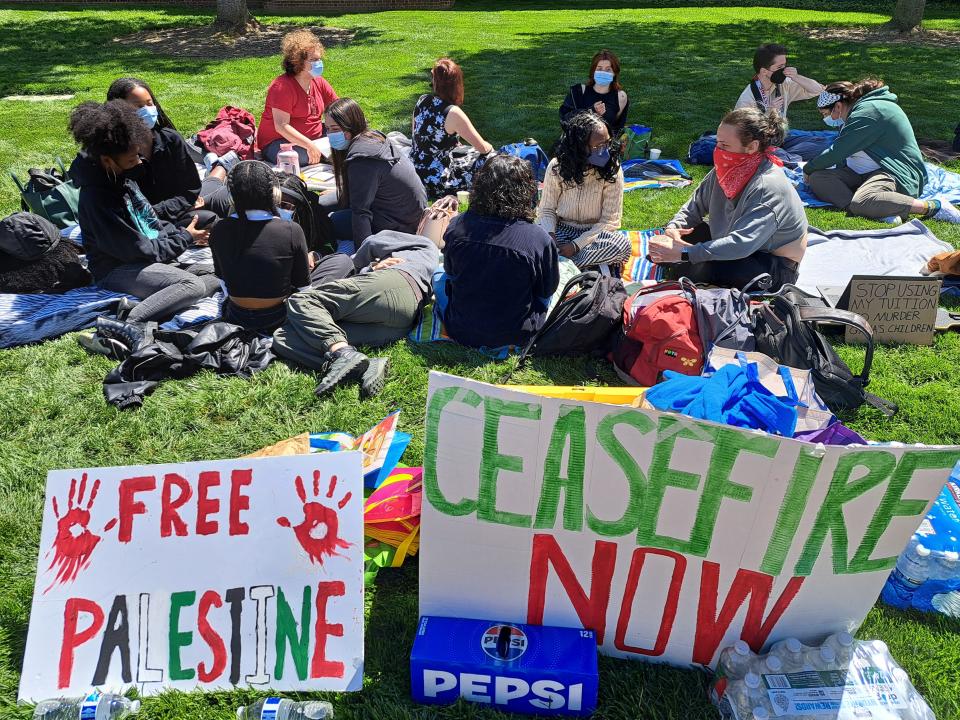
column 121, row 88
column 573, row 150
column 110, row 129
column 504, row 187
column 254, row 186
column 296, row 46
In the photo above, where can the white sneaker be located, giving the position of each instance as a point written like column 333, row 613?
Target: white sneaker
column 948, row 212
column 892, row 220
column 228, row 160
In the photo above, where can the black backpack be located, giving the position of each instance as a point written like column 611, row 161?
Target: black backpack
column 306, row 213
column 582, row 322
column 785, row 330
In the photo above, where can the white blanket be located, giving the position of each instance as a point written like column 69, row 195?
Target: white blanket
column 835, row 256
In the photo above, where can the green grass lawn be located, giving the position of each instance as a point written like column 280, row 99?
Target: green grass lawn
column 683, row 67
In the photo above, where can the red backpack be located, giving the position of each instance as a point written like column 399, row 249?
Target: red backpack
column 234, row 129
column 660, row 333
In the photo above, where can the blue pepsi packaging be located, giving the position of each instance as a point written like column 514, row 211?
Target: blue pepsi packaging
column 508, row 666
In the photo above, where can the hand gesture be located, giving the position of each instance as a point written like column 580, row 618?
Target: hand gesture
column 790, row 72
column 599, row 107
column 314, row 155
column 199, row 203
column 199, row 237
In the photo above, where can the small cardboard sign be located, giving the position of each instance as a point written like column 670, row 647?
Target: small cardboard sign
column 202, row 575
column 899, row 309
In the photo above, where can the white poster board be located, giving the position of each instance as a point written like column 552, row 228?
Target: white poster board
column 668, row 536
column 202, row 575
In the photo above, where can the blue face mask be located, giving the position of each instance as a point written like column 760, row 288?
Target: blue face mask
column 316, row 68
column 285, row 214
column 601, row 77
column 833, row 122
column 149, row 114
column 338, row 140
column 599, row 157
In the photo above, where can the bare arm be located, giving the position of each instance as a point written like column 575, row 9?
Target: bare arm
column 281, row 120
column 458, row 122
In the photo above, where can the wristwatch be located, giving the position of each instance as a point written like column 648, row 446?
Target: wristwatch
column 684, row 255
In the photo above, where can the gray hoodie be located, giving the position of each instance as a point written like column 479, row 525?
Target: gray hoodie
column 419, row 254
column 384, row 190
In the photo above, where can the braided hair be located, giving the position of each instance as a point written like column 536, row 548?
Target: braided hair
column 254, row 186
column 573, row 150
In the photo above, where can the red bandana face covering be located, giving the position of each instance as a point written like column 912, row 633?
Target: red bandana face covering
column 734, row 170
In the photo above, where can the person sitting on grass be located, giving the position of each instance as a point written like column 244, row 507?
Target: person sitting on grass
column 130, row 250
column 376, row 306
column 438, row 124
column 874, row 168
column 168, row 175
column 376, row 183
column 601, row 93
column 500, row 269
column 260, row 258
column 745, row 218
column 775, row 85
column 582, row 202
column 296, row 100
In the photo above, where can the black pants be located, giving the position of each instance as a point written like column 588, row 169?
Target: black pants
column 265, row 320
column 732, row 273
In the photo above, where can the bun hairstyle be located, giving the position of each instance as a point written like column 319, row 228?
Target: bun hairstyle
column 851, row 92
column 254, row 186
column 769, row 129
column 110, row 129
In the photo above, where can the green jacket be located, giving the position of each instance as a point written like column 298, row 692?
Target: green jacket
column 877, row 126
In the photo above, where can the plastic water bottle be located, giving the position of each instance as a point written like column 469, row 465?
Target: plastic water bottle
column 946, row 566
column 821, row 658
column 95, row 706
column 842, row 644
column 947, row 603
column 273, row 708
column 287, row 159
column 761, row 713
column 736, row 660
column 747, row 695
column 790, row 652
column 769, row 664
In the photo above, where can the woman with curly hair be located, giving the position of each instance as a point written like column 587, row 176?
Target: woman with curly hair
column 582, row 202
column 296, row 100
column 501, row 268
column 444, row 165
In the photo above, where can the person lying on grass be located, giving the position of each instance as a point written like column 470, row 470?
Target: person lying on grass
column 745, row 219
column 168, row 175
column 874, row 168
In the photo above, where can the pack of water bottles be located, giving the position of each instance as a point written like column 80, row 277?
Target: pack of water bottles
column 927, row 576
column 841, row 679
column 95, row 706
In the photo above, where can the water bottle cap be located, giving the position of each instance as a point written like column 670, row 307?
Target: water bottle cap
column 951, row 556
column 922, row 550
column 773, row 663
column 286, row 147
column 752, row 680
column 741, row 648
column 793, row 645
column 827, row 653
column 134, row 706
column 844, row 638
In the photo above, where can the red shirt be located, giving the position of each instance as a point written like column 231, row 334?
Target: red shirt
column 306, row 111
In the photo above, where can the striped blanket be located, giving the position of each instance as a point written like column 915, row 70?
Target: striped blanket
column 28, row 319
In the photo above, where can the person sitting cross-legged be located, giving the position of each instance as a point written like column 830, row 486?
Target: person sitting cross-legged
column 375, row 307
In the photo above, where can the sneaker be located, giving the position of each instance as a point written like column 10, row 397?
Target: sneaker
column 344, row 366
column 948, row 212
column 891, row 220
column 209, row 159
column 99, row 345
column 228, row 160
column 374, row 378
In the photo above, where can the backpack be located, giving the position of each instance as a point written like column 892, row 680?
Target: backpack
column 660, row 333
column 530, row 151
column 590, row 309
column 785, row 330
column 50, row 194
column 701, row 149
column 306, row 213
column 233, row 129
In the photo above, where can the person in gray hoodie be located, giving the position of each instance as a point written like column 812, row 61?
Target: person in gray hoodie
column 376, row 182
column 375, row 307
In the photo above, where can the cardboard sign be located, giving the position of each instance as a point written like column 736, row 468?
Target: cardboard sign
column 203, row 575
column 899, row 309
column 669, row 537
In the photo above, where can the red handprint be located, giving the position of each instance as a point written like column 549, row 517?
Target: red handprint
column 317, row 533
column 74, row 543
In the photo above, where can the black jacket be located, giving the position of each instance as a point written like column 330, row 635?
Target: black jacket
column 384, row 190
column 170, row 179
column 118, row 225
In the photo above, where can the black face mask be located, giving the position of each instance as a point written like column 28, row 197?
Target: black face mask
column 135, row 173
column 778, row 77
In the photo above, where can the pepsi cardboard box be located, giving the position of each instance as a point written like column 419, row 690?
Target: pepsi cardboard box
column 512, row 667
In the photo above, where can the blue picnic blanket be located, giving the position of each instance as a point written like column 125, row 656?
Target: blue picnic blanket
column 31, row 318
column 941, row 184
column 645, row 174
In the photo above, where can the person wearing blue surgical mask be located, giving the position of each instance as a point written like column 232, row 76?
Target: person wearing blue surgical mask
column 168, row 176
column 601, row 94
column 582, row 201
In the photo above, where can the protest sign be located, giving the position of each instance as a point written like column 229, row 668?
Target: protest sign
column 899, row 309
column 202, row 575
column 669, row 537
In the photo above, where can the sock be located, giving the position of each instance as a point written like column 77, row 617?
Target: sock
column 933, row 207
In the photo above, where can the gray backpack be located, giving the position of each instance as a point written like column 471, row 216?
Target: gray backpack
column 723, row 316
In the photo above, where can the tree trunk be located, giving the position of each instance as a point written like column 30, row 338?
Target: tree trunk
column 907, row 15
column 233, row 17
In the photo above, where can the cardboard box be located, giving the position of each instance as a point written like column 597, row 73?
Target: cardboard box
column 509, row 666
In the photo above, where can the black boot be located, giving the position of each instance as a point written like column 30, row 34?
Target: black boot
column 344, row 366
column 130, row 334
column 124, row 306
column 375, row 377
